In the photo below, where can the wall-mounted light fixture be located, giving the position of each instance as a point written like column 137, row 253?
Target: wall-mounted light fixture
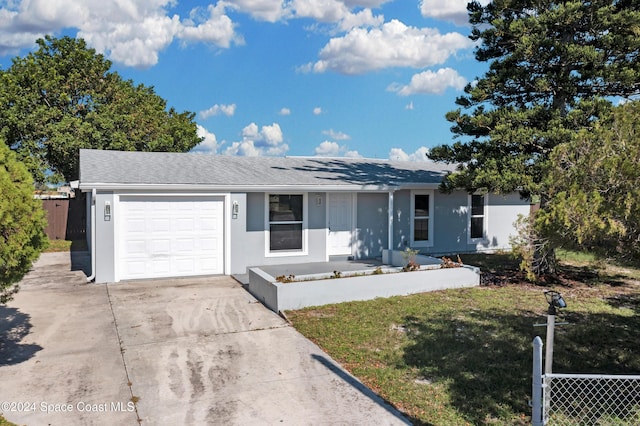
column 107, row 211
column 235, row 209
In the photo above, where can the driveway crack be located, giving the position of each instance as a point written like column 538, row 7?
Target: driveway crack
column 134, row 398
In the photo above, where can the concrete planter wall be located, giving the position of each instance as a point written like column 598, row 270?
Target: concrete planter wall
column 397, row 258
column 315, row 292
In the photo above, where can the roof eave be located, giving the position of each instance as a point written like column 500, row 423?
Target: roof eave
column 105, row 186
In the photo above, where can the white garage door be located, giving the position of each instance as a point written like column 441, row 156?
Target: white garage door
column 170, row 237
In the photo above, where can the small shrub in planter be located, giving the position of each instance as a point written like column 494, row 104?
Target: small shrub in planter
column 411, row 266
column 448, row 263
column 286, row 278
column 409, row 255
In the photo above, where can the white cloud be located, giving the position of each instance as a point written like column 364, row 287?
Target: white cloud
column 336, row 136
column 216, row 28
column 409, row 106
column 429, row 82
column 333, row 149
column 227, row 110
column 256, row 141
column 450, row 10
column 209, row 144
column 365, row 3
column 130, row 32
column 263, row 10
column 320, row 10
column 285, row 111
column 397, row 154
column 363, row 18
column 339, row 12
column 392, row 45
column 317, row 111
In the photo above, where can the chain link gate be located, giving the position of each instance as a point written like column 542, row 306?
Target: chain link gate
column 583, row 399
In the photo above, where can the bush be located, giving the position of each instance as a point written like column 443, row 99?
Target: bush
column 22, row 223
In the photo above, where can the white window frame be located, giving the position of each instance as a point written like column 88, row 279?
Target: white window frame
column 429, row 242
column 484, row 216
column 267, row 227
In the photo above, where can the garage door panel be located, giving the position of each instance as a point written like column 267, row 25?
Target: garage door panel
column 170, row 236
column 135, row 269
column 161, row 225
column 160, row 247
column 135, row 247
column 160, row 267
column 185, row 246
column 209, row 224
column 134, row 225
column 185, row 265
column 209, row 245
column 185, row 225
column 207, row 264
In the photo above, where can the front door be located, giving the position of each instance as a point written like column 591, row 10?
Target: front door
column 340, row 223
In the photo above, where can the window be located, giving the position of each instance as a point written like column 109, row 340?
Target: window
column 477, row 216
column 422, row 218
column 285, row 222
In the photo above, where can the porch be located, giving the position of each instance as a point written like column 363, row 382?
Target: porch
column 342, row 280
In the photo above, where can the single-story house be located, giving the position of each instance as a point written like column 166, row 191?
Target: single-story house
column 153, row 214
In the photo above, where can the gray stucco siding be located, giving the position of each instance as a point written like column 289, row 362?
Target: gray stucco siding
column 372, row 220
column 401, row 219
column 105, row 238
column 451, row 222
column 502, row 212
column 239, row 224
column 249, row 245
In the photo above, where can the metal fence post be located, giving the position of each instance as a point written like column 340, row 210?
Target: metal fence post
column 536, row 391
column 548, row 359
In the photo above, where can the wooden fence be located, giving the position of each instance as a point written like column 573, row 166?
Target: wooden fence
column 66, row 218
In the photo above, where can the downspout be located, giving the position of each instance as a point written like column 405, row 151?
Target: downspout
column 390, row 223
column 93, row 236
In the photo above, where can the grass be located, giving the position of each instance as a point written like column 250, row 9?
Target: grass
column 464, row 356
column 56, row 246
column 5, row 422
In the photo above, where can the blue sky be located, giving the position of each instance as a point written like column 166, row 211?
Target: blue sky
column 369, row 78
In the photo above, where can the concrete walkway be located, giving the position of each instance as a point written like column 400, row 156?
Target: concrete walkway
column 187, row 351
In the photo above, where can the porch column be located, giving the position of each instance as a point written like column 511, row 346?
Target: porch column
column 390, row 224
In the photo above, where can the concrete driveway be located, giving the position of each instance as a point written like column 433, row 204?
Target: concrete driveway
column 187, row 351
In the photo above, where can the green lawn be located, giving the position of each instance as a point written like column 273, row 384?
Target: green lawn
column 65, row 245
column 464, row 356
column 5, row 422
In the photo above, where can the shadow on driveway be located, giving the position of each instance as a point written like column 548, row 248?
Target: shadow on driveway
column 359, row 386
column 15, row 326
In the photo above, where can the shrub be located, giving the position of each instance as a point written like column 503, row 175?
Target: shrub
column 22, row 223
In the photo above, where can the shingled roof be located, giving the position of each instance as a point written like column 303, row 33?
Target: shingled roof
column 119, row 169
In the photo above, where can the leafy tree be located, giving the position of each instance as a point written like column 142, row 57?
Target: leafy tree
column 62, row 97
column 22, row 223
column 553, row 65
column 594, row 187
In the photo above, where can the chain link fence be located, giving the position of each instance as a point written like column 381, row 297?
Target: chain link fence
column 582, row 399
column 586, row 399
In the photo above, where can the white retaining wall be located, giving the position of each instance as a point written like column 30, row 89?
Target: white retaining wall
column 299, row 294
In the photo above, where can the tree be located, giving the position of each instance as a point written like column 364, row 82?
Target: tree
column 553, row 68
column 22, row 223
column 62, row 97
column 594, row 187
